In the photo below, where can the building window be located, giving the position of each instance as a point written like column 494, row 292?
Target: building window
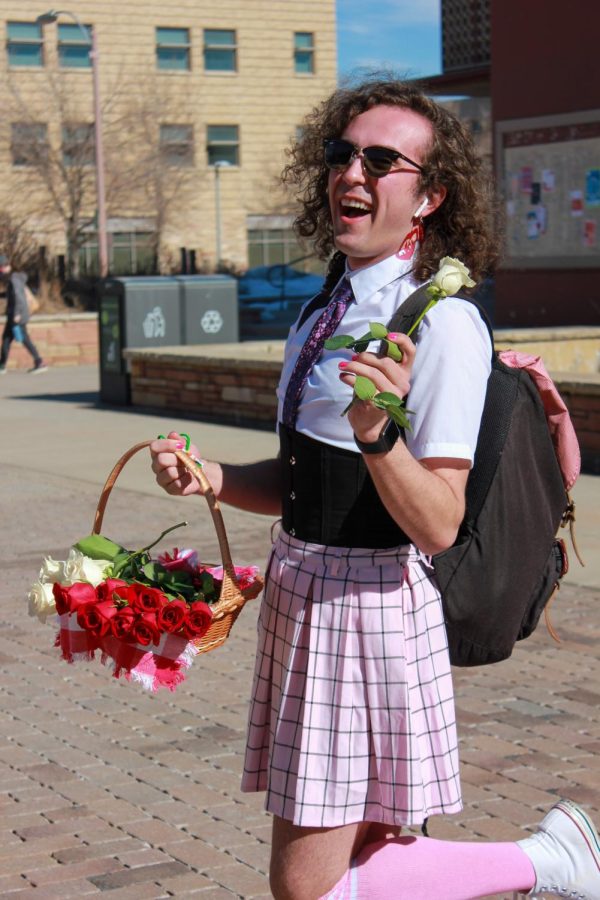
column 78, row 147
column 24, row 44
column 223, row 144
column 304, row 53
column 29, row 143
column 220, row 51
column 130, row 253
column 279, row 246
column 73, row 48
column 173, row 48
column 177, row 145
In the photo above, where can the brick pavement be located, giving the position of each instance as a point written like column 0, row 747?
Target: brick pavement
column 107, row 789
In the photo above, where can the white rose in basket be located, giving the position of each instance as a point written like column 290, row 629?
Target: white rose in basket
column 41, row 600
column 82, row 568
column 77, row 568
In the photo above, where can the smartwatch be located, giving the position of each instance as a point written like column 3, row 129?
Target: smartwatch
column 384, row 443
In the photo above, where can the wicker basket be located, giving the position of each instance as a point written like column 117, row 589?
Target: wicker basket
column 232, row 599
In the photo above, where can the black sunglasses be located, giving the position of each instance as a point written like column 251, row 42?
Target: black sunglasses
column 378, row 161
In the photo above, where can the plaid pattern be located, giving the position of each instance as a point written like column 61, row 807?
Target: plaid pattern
column 352, row 716
column 153, row 667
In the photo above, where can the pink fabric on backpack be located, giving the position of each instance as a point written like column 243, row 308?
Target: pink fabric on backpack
column 563, row 434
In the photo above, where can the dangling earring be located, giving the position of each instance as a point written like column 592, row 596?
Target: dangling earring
column 415, row 235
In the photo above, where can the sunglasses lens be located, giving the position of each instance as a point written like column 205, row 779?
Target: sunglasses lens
column 378, row 161
column 338, row 154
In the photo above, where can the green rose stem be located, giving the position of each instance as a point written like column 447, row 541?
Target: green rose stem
column 452, row 274
column 131, row 556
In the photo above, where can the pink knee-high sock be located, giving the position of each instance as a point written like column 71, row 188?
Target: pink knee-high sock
column 415, row 868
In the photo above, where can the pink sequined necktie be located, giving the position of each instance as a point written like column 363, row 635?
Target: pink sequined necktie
column 323, row 328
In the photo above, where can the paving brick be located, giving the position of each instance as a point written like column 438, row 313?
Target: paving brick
column 188, row 885
column 90, row 851
column 144, row 856
column 139, row 875
column 242, row 880
column 85, row 868
column 11, row 883
column 156, row 832
column 198, row 855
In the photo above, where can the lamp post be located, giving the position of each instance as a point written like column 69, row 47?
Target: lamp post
column 46, row 19
column 218, row 165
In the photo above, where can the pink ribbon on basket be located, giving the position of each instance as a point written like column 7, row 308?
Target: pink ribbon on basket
column 161, row 665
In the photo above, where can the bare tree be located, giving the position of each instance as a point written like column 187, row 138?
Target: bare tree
column 52, row 139
column 159, row 163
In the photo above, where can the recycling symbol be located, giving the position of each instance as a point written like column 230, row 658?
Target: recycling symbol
column 211, row 321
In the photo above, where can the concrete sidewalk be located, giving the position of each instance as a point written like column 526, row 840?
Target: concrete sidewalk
column 104, row 787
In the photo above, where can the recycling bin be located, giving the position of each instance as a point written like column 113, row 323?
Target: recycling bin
column 134, row 312
column 209, row 309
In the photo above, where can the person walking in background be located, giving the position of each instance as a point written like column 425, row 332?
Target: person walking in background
column 17, row 317
column 352, row 725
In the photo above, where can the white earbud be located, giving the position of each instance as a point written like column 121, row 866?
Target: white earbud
column 423, row 206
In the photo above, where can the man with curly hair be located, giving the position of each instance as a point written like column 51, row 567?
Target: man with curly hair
column 351, row 728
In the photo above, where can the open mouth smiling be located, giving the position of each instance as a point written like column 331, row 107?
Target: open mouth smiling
column 354, row 209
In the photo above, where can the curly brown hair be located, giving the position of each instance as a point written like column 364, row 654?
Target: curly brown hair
column 461, row 226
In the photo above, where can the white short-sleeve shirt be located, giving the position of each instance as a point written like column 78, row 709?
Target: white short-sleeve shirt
column 449, row 377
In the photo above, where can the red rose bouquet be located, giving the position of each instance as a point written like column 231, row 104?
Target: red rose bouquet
column 146, row 617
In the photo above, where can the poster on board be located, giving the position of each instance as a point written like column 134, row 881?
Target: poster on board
column 549, row 168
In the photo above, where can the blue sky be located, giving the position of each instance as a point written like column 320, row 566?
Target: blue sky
column 400, row 34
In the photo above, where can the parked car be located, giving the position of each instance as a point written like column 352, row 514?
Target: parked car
column 270, row 298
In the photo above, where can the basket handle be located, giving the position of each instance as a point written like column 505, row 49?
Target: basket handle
column 209, row 495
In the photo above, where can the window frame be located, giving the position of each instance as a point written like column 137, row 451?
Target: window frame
column 70, row 43
column 222, row 142
column 140, row 245
column 13, row 42
column 186, row 46
column 232, row 48
column 168, row 151
column 86, row 147
column 308, row 51
column 16, row 144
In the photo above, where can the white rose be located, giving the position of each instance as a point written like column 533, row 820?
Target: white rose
column 451, row 276
column 52, row 570
column 41, row 601
column 82, row 568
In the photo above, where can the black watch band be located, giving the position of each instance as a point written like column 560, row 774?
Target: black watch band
column 385, row 441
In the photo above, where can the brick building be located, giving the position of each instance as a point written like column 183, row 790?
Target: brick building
column 182, row 87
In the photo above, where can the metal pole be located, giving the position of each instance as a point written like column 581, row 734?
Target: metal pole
column 100, row 187
column 218, row 211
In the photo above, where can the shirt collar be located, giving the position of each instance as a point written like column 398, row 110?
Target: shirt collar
column 366, row 281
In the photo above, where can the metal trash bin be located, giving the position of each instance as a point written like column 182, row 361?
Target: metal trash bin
column 209, row 309
column 134, row 312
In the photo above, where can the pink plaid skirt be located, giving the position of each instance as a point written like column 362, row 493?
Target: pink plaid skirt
column 352, row 712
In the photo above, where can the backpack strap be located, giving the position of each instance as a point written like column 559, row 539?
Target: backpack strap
column 407, row 314
column 496, row 415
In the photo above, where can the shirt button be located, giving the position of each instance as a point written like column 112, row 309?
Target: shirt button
column 293, row 532
column 292, row 460
column 292, row 495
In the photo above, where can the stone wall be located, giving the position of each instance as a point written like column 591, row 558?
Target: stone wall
column 232, row 383
column 582, row 396
column 62, row 340
column 236, row 383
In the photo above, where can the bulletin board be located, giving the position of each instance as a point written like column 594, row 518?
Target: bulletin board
column 549, row 170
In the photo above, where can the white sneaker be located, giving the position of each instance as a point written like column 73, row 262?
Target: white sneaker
column 565, row 853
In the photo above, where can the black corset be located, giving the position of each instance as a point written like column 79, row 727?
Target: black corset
column 329, row 496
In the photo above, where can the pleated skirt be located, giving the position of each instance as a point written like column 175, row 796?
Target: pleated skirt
column 352, row 712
